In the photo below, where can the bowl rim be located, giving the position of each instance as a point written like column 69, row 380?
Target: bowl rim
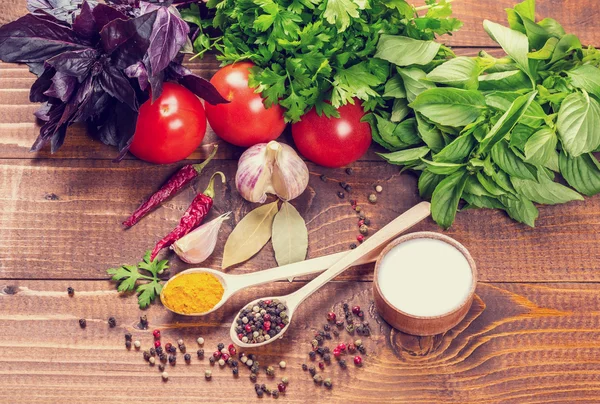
column 435, row 236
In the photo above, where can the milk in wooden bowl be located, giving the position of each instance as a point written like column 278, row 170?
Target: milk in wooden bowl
column 424, row 283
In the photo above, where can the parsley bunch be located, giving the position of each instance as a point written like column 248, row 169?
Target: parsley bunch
column 313, row 53
column 128, row 276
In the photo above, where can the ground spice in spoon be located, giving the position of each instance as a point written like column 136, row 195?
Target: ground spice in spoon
column 192, row 293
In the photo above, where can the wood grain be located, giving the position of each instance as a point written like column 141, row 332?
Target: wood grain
column 61, row 219
column 526, row 344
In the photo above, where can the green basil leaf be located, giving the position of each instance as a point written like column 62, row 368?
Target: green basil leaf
column 445, row 198
column 512, row 164
column 414, row 82
column 565, row 46
column 520, row 209
column 514, row 43
column 507, row 122
column 481, row 202
column 430, row 134
column 545, row 191
column 578, row 124
column 405, row 156
column 582, row 173
column 546, row 52
column 394, row 88
column 442, row 168
column 489, row 185
column 427, row 183
column 504, row 81
column 526, row 9
column 536, row 34
column 587, row 78
column 474, row 187
column 458, row 150
column 520, row 135
column 552, row 27
column 461, row 72
column 450, row 106
column 400, row 110
column 405, row 51
column 540, row 147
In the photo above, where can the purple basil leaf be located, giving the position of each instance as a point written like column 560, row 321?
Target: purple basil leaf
column 62, row 86
column 43, row 83
column 156, row 83
column 35, row 39
column 117, row 85
column 37, row 68
column 138, row 70
column 85, row 24
column 116, row 126
column 58, row 139
column 169, row 34
column 74, row 63
column 63, row 10
column 103, row 14
column 199, row 86
column 49, row 128
column 42, row 111
column 129, row 40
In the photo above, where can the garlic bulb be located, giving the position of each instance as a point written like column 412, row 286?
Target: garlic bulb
column 271, row 168
column 198, row 245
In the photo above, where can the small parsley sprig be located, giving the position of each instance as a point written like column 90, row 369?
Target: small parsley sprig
column 128, row 276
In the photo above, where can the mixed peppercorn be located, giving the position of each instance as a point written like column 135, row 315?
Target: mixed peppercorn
column 261, row 321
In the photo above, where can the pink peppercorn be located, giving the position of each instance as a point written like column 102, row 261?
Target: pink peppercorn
column 360, row 238
column 357, row 360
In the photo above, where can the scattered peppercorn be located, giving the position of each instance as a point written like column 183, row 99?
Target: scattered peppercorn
column 343, row 184
column 163, row 357
column 182, row 348
column 312, row 370
column 82, row 323
column 152, row 351
column 187, row 357
column 318, row 379
column 221, row 362
column 220, row 346
column 341, row 195
column 172, row 360
column 349, row 171
column 348, row 188
column 137, row 344
column 327, row 358
column 367, row 221
column 165, row 376
column 351, row 348
column 200, row 341
column 253, row 377
column 282, row 364
column 362, row 349
column 236, row 371
column 350, row 329
column 342, row 363
column 323, row 178
column 321, row 365
column 336, row 333
column 259, row 392
column 159, row 350
column 364, row 230
column 378, row 189
column 358, row 342
column 356, row 310
column 128, row 344
column 144, row 322
column 275, row 393
column 157, row 344
column 285, row 380
column 353, row 246
column 312, row 355
column 331, row 316
column 161, row 367
column 156, row 334
column 357, row 360
column 70, row 291
column 200, row 353
column 212, row 360
column 339, row 323
column 152, row 361
column 373, row 198
column 360, row 238
column 112, row 322
column 146, row 356
column 207, row 374
column 281, row 387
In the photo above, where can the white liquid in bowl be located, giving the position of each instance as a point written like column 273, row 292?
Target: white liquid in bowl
column 425, row 277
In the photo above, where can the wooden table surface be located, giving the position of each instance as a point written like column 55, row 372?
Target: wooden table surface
column 532, row 335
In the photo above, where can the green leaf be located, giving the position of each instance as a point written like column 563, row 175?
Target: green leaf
column 445, row 198
column 504, row 81
column 461, row 72
column 536, row 34
column 481, row 202
column 490, row 185
column 442, row 168
column 545, row 191
column 578, row 124
column 582, row 173
column 127, row 276
column 450, row 106
column 565, row 46
column 552, row 27
column 512, row 164
column 514, row 43
column 428, row 181
column 394, row 88
column 430, row 134
column 414, row 82
column 540, row 147
column 356, row 81
column 400, row 110
column 339, row 12
column 587, row 78
column 546, row 52
column 404, row 51
column 405, row 156
column 147, row 293
column 526, row 9
column 457, row 151
column 398, row 136
column 507, row 121
column 520, row 209
column 520, row 135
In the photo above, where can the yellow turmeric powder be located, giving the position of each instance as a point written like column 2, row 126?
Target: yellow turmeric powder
column 192, row 293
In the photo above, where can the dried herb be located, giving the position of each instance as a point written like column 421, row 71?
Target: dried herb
column 95, row 61
column 290, row 236
column 250, row 235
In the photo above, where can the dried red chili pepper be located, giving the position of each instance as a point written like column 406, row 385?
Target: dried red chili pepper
column 174, row 184
column 192, row 217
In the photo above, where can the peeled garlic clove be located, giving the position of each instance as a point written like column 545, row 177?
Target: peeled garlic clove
column 198, row 245
column 271, row 168
column 290, row 174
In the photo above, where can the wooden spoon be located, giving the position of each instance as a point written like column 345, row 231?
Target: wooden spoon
column 373, row 243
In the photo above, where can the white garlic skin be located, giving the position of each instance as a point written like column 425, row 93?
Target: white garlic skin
column 271, row 168
column 196, row 246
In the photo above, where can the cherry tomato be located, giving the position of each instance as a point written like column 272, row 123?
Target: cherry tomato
column 171, row 128
column 244, row 121
column 333, row 142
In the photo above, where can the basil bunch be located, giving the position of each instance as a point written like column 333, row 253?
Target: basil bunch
column 495, row 132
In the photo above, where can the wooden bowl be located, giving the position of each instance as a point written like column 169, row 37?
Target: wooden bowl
column 422, row 325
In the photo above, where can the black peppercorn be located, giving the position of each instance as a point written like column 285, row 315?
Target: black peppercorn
column 128, row 344
column 342, row 364
column 327, row 335
column 275, row 393
column 172, row 359
column 336, row 333
column 362, row 349
column 259, row 392
column 320, row 351
column 304, row 367
column 348, row 188
column 187, row 357
column 220, row 346
column 346, row 306
column 323, row 178
column 144, row 322
column 182, row 348
column 161, row 367
column 349, row 171
column 152, row 351
column 312, row 370
column 128, row 337
column 159, row 350
column 312, row 355
column 163, row 357
column 82, row 322
column 200, row 353
column 326, row 349
column 341, row 195
column 234, row 363
column 146, row 356
column 70, row 291
column 327, row 358
column 112, row 322
column 343, row 184
column 353, row 246
column 212, row 360
column 367, row 221
column 235, row 371
column 326, row 327
column 253, row 377
column 339, row 323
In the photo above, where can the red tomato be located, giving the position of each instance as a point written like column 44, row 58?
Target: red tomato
column 171, row 128
column 333, row 142
column 244, row 121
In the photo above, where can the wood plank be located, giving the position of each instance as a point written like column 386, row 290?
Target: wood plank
column 61, row 219
column 520, row 343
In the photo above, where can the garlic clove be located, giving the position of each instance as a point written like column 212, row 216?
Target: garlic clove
column 290, row 174
column 198, row 245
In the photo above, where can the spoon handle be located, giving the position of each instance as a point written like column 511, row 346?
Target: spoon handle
column 402, row 223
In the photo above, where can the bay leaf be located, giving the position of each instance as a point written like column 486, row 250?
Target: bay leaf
column 290, row 236
column 250, row 235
